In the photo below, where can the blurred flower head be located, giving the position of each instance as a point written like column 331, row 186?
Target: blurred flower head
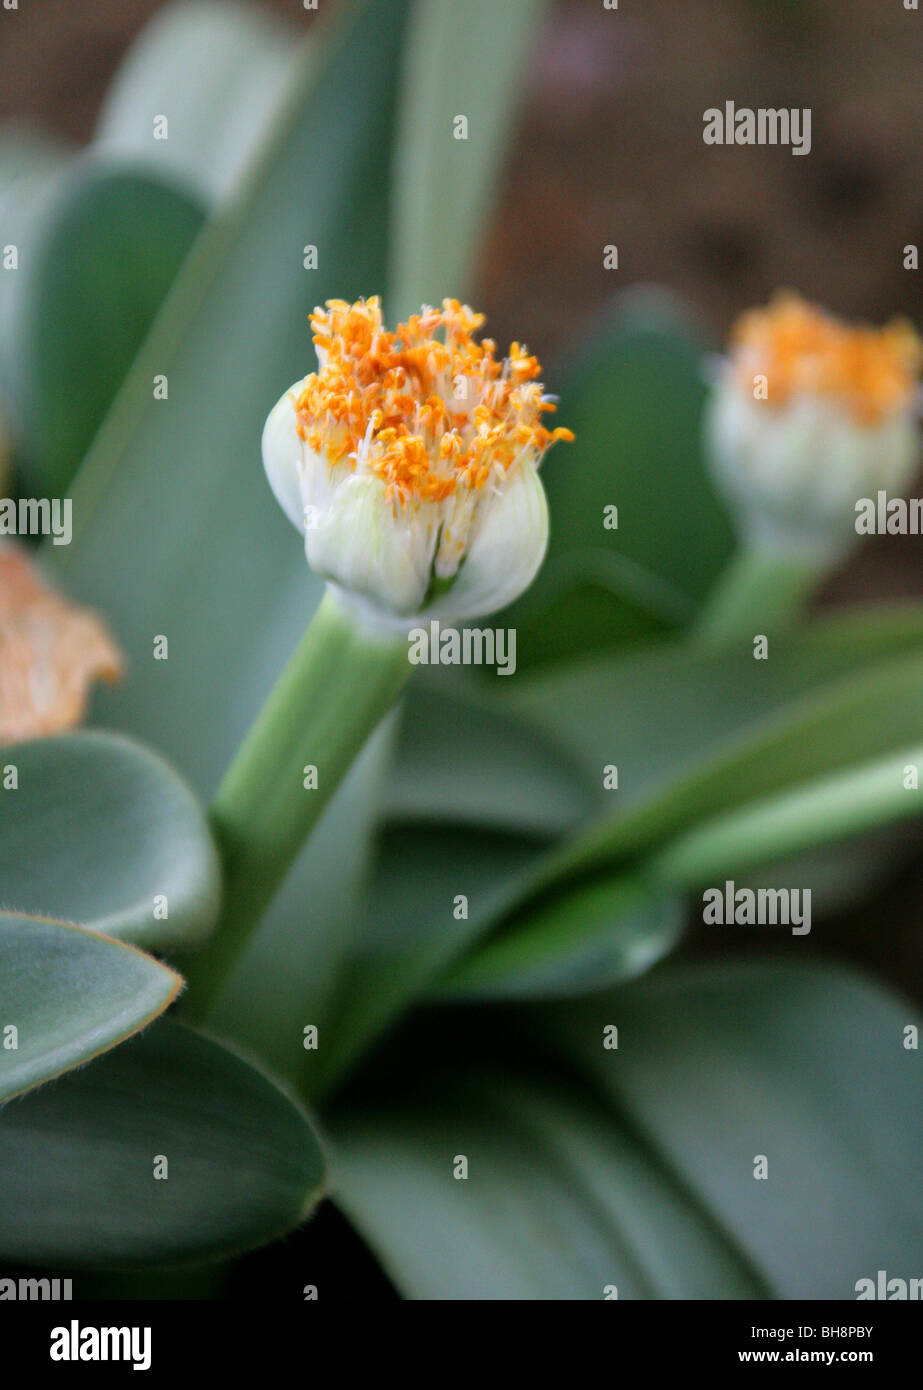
column 809, row 414
column 51, row 652
column 411, row 461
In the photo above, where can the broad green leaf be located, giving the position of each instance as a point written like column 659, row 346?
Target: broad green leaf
column 561, row 1201
column 462, row 758
column 594, row 601
column 80, row 1159
column 696, row 732
column 575, row 942
column 70, row 994
column 474, row 753
column 460, row 61
column 218, row 72
column 806, row 1065
column 434, row 890
column 442, row 921
column 94, row 271
column 216, row 567
column 289, row 976
column 665, row 714
column 592, row 1165
column 31, row 165
column 633, row 395
column 101, row 832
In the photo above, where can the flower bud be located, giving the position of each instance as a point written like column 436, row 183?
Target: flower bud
column 410, row 459
column 807, row 415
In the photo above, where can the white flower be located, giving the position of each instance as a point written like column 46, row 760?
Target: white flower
column 807, row 416
column 410, row 461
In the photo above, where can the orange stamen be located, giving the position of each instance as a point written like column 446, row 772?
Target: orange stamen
column 803, row 350
column 427, row 414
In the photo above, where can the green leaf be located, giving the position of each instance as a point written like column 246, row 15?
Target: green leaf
column 804, row 1064
column 460, row 60
column 853, row 720
column 414, row 943
column 561, row 1201
column 662, row 713
column 94, row 271
column 70, row 994
column 834, row 808
column 590, row 1166
column 412, row 929
column 100, row 831
column 31, row 167
column 80, row 1158
column 674, row 706
column 577, row 941
column 290, row 974
column 219, row 72
column 462, row 757
column 634, row 398
column 696, row 732
column 216, row 566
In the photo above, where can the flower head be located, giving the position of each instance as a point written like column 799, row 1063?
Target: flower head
column 809, row 414
column 411, row 460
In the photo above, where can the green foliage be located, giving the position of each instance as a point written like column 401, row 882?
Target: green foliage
column 592, row 1165
column 459, row 61
column 100, row 831
column 220, row 72
column 600, row 932
column 633, row 396
column 93, row 274
column 69, row 994
column 80, row 1159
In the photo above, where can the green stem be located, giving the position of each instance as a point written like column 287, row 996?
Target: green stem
column 340, row 683
column 760, row 591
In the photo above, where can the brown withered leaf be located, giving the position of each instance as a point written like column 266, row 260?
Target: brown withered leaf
column 51, row 652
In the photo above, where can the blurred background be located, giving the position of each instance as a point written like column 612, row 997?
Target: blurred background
column 609, row 150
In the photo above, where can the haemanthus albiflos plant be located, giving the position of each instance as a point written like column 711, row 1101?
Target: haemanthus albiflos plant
column 410, row 460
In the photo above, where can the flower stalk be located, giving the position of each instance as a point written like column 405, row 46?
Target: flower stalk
column 342, row 680
column 760, row 591
column 409, row 463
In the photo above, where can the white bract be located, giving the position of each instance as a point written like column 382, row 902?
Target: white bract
column 410, row 461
